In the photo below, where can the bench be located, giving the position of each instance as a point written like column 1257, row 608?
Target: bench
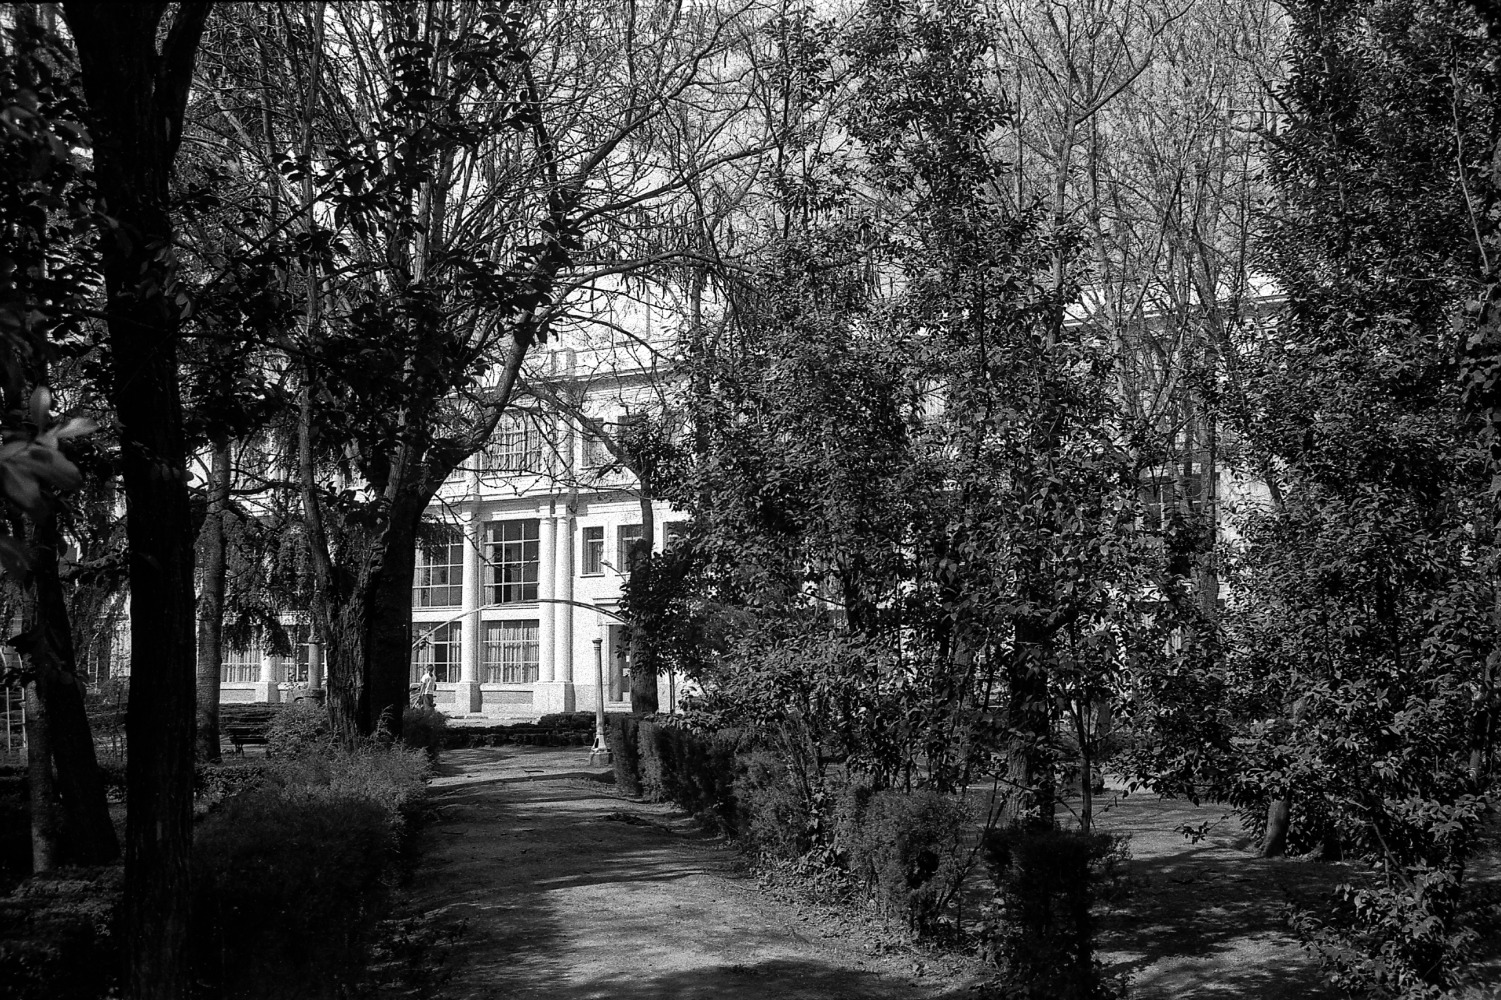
column 240, row 736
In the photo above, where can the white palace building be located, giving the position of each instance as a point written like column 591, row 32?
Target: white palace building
column 517, row 614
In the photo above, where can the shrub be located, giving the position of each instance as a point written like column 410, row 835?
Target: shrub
column 284, row 894
column 301, row 726
column 56, row 935
column 1039, row 927
column 909, row 849
column 651, row 749
column 772, row 815
column 698, row 773
column 289, row 875
column 621, row 736
column 423, row 729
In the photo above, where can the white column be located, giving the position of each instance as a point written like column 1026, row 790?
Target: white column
column 314, row 666
column 466, row 697
column 563, row 590
column 547, row 558
column 266, row 689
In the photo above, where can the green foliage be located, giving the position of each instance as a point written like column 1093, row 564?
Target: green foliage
column 622, row 738
column 291, row 875
column 58, row 936
column 910, row 850
column 1039, row 927
column 423, row 729
column 775, row 816
column 301, row 727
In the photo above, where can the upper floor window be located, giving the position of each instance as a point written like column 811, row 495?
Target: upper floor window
column 439, row 579
column 594, row 551
column 1163, row 493
column 438, row 647
column 511, row 552
column 673, row 533
column 516, row 446
column 597, row 454
column 625, row 543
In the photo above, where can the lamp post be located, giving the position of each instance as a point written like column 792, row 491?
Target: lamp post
column 600, row 748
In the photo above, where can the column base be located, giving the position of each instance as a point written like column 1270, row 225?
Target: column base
column 466, row 697
column 266, row 691
column 552, row 697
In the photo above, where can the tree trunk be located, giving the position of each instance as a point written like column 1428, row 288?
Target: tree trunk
column 136, row 98
column 390, row 597
column 1029, row 800
column 46, row 847
column 211, row 604
column 644, row 666
column 1278, row 822
column 88, row 835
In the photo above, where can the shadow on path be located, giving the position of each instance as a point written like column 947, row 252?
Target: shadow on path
column 551, row 886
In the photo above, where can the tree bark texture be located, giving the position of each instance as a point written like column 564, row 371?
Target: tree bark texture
column 1030, row 798
column 136, row 96
column 46, row 844
column 88, row 835
column 211, row 603
column 643, row 657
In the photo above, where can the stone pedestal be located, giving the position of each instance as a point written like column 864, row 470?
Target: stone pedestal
column 549, row 697
column 466, row 698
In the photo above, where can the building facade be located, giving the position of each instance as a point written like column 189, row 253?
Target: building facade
column 515, row 606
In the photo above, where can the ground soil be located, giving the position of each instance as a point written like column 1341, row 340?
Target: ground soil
column 536, row 879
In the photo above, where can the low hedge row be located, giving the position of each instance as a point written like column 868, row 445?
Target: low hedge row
column 293, row 861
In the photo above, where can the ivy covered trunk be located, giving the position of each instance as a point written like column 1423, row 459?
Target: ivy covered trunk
column 1029, row 765
column 211, row 604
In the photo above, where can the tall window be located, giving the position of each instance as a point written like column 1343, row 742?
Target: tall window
column 625, row 541
column 1164, row 493
column 510, row 653
column 439, row 579
column 594, row 551
column 297, row 664
column 597, row 455
column 516, row 446
column 240, row 666
column 511, row 549
column 438, row 646
column 673, row 533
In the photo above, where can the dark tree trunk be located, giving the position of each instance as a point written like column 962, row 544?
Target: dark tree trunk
column 390, row 613
column 1278, row 822
column 211, row 604
column 46, row 845
column 136, row 96
column 88, row 835
column 1029, row 800
column 644, row 665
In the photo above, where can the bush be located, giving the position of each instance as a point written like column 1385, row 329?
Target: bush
column 56, row 935
column 772, row 815
column 300, row 727
column 651, row 749
column 907, row 848
column 1039, row 927
column 621, row 736
column 289, row 874
column 698, row 774
column 423, row 729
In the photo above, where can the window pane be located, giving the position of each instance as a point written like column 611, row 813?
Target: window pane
column 510, row 653
column 437, row 646
column 512, row 553
column 628, row 536
column 594, row 550
column 439, row 578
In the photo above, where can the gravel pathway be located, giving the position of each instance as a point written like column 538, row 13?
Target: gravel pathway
column 536, row 880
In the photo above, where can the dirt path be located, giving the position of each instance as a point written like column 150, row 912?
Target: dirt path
column 548, row 885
